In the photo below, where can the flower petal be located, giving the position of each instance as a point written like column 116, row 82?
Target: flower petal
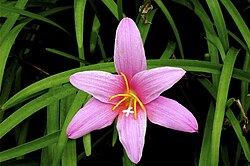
column 149, row 84
column 102, row 85
column 132, row 134
column 129, row 55
column 169, row 113
column 94, row 115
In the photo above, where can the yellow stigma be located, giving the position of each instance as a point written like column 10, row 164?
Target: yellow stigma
column 129, row 99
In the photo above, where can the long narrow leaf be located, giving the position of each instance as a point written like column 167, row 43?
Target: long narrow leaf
column 79, row 100
column 66, row 55
column 79, row 8
column 172, row 23
column 87, row 144
column 69, row 155
column 221, row 99
column 31, row 15
column 197, row 7
column 111, row 5
column 11, row 20
column 32, row 107
column 206, row 141
column 144, row 28
column 5, row 48
column 51, row 81
column 238, row 131
column 29, row 147
column 7, row 84
column 209, row 86
column 219, row 22
column 120, row 9
column 52, row 121
column 169, row 51
column 94, row 34
column 240, row 23
column 189, row 65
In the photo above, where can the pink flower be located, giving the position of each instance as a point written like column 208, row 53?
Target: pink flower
column 133, row 95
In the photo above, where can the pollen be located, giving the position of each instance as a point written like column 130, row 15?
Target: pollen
column 130, row 100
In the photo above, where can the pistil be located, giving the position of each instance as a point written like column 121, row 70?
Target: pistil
column 130, row 98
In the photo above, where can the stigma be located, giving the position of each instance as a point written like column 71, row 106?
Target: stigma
column 128, row 111
column 129, row 100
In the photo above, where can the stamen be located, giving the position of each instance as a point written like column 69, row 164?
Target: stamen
column 135, row 117
column 138, row 100
column 126, row 81
column 119, row 95
column 129, row 98
column 122, row 100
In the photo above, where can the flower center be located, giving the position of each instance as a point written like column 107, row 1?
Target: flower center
column 129, row 99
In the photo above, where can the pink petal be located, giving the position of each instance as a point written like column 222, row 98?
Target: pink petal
column 169, row 113
column 94, row 115
column 132, row 134
column 102, row 85
column 149, row 84
column 129, row 55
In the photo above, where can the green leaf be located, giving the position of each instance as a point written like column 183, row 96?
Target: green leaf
column 115, row 134
column 224, row 155
column 94, row 34
column 61, row 78
column 221, row 99
column 111, row 5
column 144, row 28
column 7, row 84
column 52, row 120
column 51, row 81
column 169, row 51
column 31, row 15
column 126, row 161
column 172, row 23
column 67, row 55
column 240, row 23
column 206, row 141
column 79, row 8
column 22, row 135
column 236, row 126
column 238, row 40
column 245, row 84
column 217, row 43
column 219, row 22
column 5, row 13
column 104, row 57
column 80, row 98
column 80, row 156
column 5, row 48
column 120, row 9
column 87, row 144
column 34, row 106
column 11, row 20
column 69, row 155
column 65, row 105
column 209, row 86
column 198, row 9
column 29, row 147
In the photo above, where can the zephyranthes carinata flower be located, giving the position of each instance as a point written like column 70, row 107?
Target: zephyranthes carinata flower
column 132, row 95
